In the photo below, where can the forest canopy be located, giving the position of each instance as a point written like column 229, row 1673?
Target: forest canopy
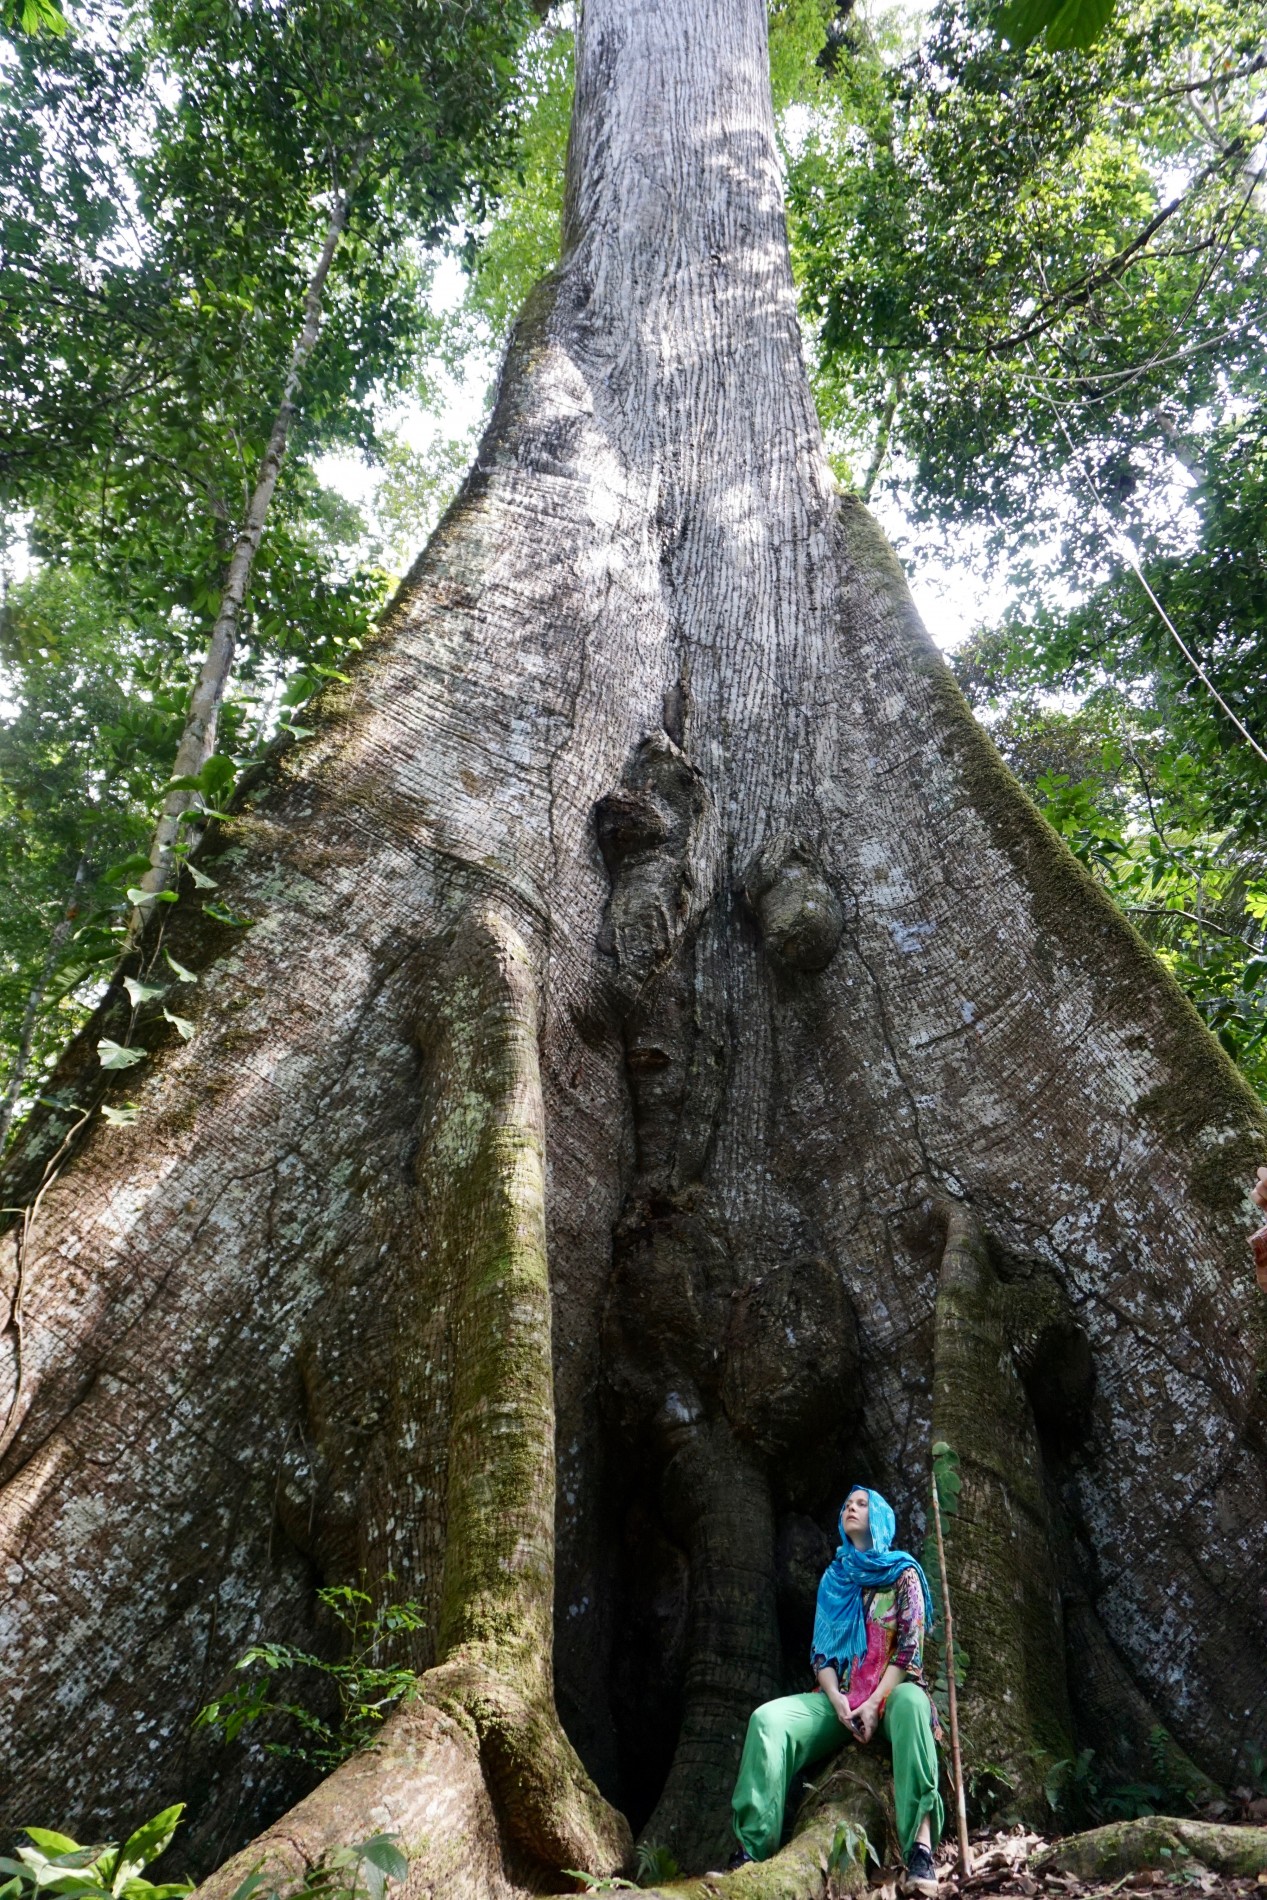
column 1031, row 284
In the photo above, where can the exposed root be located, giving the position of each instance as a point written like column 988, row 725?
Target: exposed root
column 422, row 1782
column 549, row 1805
column 1157, row 1840
column 475, row 1774
column 854, row 1791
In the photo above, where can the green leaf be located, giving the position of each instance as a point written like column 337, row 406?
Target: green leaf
column 152, row 1838
column 216, row 778
column 382, row 1852
column 112, row 1055
column 181, row 1024
column 142, row 992
column 217, row 775
column 135, row 866
column 184, row 975
column 51, row 1843
column 1078, row 23
column 34, row 17
column 122, row 1117
column 226, row 916
column 201, row 881
column 140, row 898
column 253, row 1882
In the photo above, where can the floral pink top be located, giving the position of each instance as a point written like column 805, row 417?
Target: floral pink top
column 895, row 1634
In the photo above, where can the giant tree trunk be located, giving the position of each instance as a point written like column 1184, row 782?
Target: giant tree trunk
column 649, row 904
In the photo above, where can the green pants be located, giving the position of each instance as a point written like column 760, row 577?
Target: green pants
column 786, row 1735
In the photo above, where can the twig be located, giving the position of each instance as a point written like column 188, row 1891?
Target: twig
column 1203, row 923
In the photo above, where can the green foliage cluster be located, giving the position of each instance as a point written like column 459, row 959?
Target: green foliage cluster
column 366, row 1682
column 358, row 1872
column 54, row 1865
column 1034, row 280
column 1080, row 1794
column 167, row 178
column 851, row 1847
column 653, row 1866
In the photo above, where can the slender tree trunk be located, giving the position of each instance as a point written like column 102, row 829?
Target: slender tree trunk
column 649, row 905
column 883, row 436
column 26, row 1038
column 198, row 740
column 952, row 1694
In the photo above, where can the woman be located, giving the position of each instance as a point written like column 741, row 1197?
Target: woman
column 873, row 1609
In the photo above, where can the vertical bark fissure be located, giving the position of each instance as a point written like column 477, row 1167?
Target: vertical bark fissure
column 1014, row 1703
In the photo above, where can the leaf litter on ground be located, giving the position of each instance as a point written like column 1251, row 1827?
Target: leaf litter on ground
column 1000, row 1865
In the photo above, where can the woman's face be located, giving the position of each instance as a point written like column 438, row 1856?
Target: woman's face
column 856, row 1519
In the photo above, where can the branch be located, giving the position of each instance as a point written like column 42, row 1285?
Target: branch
column 1083, row 288
column 883, row 435
column 1202, row 923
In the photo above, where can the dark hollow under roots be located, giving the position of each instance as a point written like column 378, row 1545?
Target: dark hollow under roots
column 733, row 1410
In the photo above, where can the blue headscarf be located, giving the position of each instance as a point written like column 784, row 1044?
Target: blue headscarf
column 840, row 1624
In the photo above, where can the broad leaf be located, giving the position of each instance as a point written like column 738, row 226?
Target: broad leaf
column 224, row 915
column 253, row 1882
column 142, row 992
column 51, row 1843
column 112, row 1055
column 382, row 1851
column 1078, row 23
column 152, row 1837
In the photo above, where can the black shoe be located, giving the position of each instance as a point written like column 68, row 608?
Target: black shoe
column 921, row 1874
column 740, row 1858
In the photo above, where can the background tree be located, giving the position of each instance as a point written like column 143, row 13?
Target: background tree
column 167, row 183
column 1037, row 290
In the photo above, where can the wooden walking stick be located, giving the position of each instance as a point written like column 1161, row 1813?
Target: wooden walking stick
column 942, row 1450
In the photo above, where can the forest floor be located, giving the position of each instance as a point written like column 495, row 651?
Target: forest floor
column 1004, row 1864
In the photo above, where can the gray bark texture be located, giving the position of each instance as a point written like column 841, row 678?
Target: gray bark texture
column 650, row 905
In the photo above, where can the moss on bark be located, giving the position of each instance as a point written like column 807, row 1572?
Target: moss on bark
column 1014, row 1705
column 488, row 1704
column 853, row 1792
column 1157, row 1840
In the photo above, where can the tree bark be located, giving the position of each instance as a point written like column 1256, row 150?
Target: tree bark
column 790, row 960
column 198, row 739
